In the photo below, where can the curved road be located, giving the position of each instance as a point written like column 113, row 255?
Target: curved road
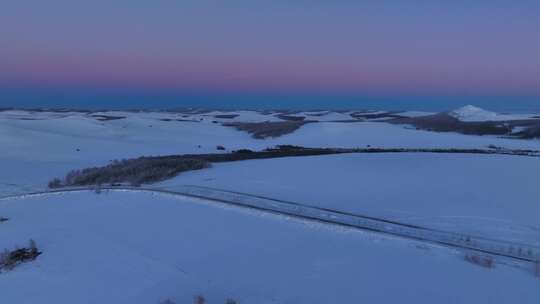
column 522, row 252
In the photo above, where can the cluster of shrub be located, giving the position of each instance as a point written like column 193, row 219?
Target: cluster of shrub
column 199, row 300
column 133, row 171
column 481, row 260
column 11, row 258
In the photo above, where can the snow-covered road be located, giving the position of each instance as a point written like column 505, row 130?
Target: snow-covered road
column 514, row 250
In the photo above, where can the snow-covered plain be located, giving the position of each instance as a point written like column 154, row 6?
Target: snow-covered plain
column 141, row 248
column 37, row 146
column 492, row 196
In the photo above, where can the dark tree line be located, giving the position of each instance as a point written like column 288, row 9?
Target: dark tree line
column 135, row 171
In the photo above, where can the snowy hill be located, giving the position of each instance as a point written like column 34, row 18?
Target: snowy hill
column 471, row 113
column 136, row 248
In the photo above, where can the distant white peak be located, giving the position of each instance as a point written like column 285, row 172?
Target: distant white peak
column 472, row 113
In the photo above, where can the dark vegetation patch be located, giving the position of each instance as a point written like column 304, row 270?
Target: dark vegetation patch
column 290, row 117
column 107, row 117
column 145, row 170
column 3, row 219
column 28, row 118
column 9, row 259
column 179, row 119
column 529, row 133
column 317, row 114
column 480, row 259
column 368, row 115
column 443, row 122
column 262, row 130
column 133, row 171
column 226, row 116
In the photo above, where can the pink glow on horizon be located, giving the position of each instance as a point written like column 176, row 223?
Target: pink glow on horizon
column 284, row 76
column 330, row 47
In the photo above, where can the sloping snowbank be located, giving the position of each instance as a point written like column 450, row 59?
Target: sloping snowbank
column 176, row 248
column 484, row 195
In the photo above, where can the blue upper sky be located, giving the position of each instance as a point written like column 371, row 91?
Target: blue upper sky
column 154, row 54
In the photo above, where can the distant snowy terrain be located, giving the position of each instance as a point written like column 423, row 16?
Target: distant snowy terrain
column 37, row 146
column 472, row 113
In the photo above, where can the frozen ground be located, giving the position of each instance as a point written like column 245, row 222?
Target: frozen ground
column 37, row 146
column 494, row 196
column 140, row 248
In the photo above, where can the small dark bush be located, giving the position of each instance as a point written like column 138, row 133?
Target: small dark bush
column 3, row 219
column 482, row 260
column 55, row 183
column 220, row 147
column 199, row 299
column 10, row 259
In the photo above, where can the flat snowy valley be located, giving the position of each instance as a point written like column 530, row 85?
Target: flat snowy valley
column 150, row 243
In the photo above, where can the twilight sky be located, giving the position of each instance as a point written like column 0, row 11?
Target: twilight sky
column 125, row 50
